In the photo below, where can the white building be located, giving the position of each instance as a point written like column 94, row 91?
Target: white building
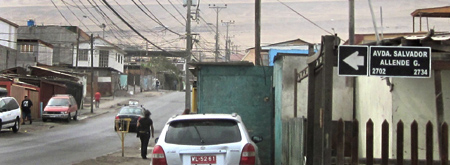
column 106, row 55
column 8, row 44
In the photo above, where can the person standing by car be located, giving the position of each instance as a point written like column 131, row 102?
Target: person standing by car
column 97, row 97
column 26, row 111
column 145, row 125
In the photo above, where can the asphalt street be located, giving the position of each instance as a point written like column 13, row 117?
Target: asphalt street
column 90, row 137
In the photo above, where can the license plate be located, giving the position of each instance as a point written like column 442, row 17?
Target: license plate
column 203, row 159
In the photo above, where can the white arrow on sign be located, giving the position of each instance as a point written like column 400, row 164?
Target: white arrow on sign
column 354, row 60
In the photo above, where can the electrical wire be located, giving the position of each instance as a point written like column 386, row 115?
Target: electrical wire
column 60, row 12
column 67, row 6
column 154, row 19
column 132, row 28
column 177, row 10
column 305, row 17
column 170, row 13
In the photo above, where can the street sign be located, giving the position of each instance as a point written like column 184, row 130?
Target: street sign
column 352, row 60
column 393, row 61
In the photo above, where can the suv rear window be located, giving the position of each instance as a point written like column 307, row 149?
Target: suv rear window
column 58, row 102
column 203, row 132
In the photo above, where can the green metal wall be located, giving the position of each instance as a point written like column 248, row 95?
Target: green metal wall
column 246, row 90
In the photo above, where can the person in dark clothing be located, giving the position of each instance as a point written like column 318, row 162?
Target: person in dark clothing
column 26, row 111
column 145, row 125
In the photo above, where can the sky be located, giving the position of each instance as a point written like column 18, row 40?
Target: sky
column 278, row 22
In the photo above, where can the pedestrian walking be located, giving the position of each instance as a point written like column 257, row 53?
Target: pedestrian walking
column 26, row 111
column 97, row 97
column 145, row 125
column 157, row 85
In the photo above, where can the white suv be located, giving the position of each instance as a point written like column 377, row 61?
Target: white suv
column 9, row 113
column 205, row 139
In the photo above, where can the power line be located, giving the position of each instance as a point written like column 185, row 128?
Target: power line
column 169, row 12
column 76, row 16
column 305, row 17
column 177, row 10
column 154, row 19
column 131, row 27
column 61, row 13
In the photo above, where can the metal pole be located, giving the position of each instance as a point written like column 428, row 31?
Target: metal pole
column 374, row 22
column 258, row 32
column 188, row 55
column 78, row 47
column 217, row 8
column 92, row 73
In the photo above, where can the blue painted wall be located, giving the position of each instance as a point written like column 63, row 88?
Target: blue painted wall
column 274, row 52
column 246, row 90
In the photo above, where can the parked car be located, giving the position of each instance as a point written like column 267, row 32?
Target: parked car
column 132, row 112
column 61, row 106
column 205, row 139
column 10, row 114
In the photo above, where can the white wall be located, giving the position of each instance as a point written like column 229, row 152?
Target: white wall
column 8, row 35
column 374, row 101
column 342, row 97
column 414, row 99
column 100, row 45
column 45, row 54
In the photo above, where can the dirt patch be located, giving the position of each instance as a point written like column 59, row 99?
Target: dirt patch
column 131, row 157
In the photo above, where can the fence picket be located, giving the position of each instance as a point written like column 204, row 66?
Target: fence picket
column 340, row 142
column 444, row 134
column 355, row 140
column 400, row 137
column 385, row 143
column 429, row 143
column 414, row 143
column 369, row 142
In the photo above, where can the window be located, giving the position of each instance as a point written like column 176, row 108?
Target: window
column 83, row 55
column 203, row 132
column 103, row 61
column 26, row 48
column 11, row 104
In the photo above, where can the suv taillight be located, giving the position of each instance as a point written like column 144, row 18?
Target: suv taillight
column 248, row 155
column 159, row 158
column 117, row 118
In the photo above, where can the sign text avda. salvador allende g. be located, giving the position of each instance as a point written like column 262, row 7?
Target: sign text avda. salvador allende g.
column 400, row 61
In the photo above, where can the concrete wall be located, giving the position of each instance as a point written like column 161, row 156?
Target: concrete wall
column 8, row 35
column 246, row 90
column 45, row 55
column 62, row 38
column 373, row 101
column 414, row 99
column 7, row 57
column 411, row 99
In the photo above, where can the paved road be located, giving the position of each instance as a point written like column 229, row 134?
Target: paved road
column 91, row 137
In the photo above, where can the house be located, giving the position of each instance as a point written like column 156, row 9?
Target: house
column 108, row 64
column 290, row 44
column 63, row 38
column 34, row 51
column 8, row 44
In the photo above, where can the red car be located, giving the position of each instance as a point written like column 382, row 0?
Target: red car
column 61, row 106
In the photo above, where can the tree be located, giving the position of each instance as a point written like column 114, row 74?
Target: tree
column 162, row 65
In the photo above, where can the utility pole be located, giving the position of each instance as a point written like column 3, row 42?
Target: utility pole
column 258, row 32
column 188, row 55
column 92, row 73
column 227, row 41
column 217, row 9
column 78, row 48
